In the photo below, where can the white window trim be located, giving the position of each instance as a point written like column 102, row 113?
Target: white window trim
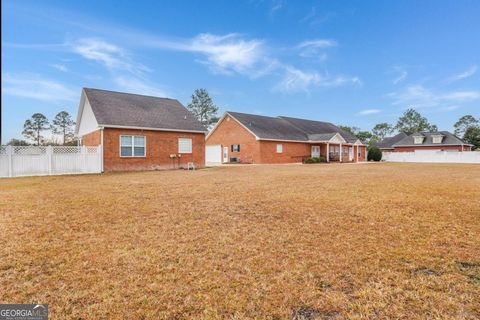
column 191, row 146
column 418, row 140
column 281, row 148
column 133, row 146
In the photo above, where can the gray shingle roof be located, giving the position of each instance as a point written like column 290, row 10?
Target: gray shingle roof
column 448, row 139
column 133, row 110
column 269, row 127
column 317, row 127
column 285, row 128
column 387, row 143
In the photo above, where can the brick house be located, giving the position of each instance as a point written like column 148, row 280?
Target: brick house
column 247, row 138
column 441, row 141
column 139, row 132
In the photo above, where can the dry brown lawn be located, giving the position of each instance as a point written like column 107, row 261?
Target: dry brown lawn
column 368, row 241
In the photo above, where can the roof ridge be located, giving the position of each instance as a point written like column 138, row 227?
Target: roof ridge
column 283, row 117
column 130, row 93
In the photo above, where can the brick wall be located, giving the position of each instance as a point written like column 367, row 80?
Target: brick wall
column 363, row 153
column 159, row 146
column 92, row 139
column 412, row 149
column 292, row 152
column 229, row 132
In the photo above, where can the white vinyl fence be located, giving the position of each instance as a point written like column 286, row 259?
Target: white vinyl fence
column 34, row 161
column 433, row 156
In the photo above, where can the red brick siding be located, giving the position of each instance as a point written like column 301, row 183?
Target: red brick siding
column 159, row 146
column 362, row 156
column 292, row 152
column 229, row 132
column 412, row 149
column 92, row 139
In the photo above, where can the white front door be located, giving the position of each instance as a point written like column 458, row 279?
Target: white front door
column 315, row 151
column 225, row 154
column 350, row 153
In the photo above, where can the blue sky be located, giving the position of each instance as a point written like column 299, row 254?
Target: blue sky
column 349, row 62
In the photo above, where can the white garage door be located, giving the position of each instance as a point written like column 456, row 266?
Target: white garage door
column 213, row 155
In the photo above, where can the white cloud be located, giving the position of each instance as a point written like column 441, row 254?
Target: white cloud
column 466, row 74
column 60, row 67
column 110, row 55
column 315, row 48
column 450, row 108
column 419, row 96
column 369, row 111
column 402, row 75
column 227, row 54
column 38, row 88
column 318, row 43
column 135, row 85
column 276, row 5
column 296, row 80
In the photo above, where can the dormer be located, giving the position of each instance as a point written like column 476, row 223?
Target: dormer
column 418, row 138
column 437, row 138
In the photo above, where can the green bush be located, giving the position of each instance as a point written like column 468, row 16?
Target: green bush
column 315, row 160
column 374, row 154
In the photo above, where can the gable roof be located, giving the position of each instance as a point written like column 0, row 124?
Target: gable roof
column 289, row 129
column 127, row 110
column 448, row 139
column 269, row 127
column 312, row 127
column 387, row 142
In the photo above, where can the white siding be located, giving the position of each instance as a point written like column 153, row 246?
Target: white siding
column 88, row 123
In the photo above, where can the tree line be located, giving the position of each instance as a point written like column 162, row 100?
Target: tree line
column 466, row 128
column 204, row 109
column 34, row 130
column 411, row 121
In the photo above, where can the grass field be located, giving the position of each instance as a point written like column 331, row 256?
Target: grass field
column 367, row 241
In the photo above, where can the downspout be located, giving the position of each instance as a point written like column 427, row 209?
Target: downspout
column 101, row 146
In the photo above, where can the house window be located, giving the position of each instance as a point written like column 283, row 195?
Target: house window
column 418, row 140
column 132, row 146
column 184, row 145
column 437, row 139
column 279, row 148
column 235, row 148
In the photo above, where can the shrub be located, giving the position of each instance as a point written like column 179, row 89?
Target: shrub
column 374, row 154
column 315, row 160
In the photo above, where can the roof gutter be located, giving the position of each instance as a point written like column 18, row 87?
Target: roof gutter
column 431, row 145
column 149, row 128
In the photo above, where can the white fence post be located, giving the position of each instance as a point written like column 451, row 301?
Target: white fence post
column 84, row 153
column 9, row 150
column 49, row 151
column 100, row 157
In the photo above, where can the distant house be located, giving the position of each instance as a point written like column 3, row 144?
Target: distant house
column 387, row 143
column 441, row 140
column 248, row 138
column 139, row 132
